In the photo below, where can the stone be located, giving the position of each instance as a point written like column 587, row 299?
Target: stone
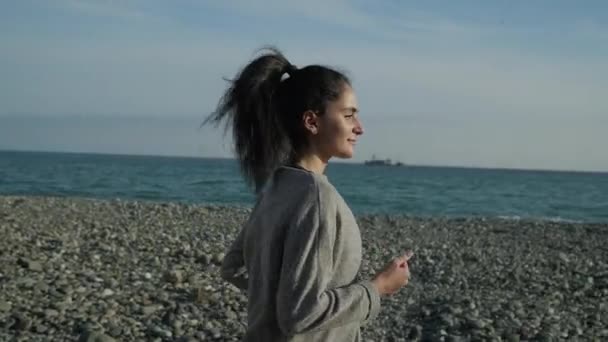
column 95, row 336
column 5, row 306
column 455, row 338
column 175, row 276
column 50, row 313
column 415, row 333
column 218, row 258
column 188, row 339
column 204, row 259
column 475, row 323
column 512, row 338
column 447, row 320
column 149, row 309
column 21, row 322
column 231, row 315
column 30, row 264
column 160, row 332
column 40, row 328
column 107, row 293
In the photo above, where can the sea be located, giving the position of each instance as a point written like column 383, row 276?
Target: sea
column 415, row 191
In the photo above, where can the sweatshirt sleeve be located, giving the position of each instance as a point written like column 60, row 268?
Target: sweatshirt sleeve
column 233, row 268
column 305, row 303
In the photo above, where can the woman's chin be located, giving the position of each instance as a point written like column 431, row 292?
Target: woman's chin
column 345, row 154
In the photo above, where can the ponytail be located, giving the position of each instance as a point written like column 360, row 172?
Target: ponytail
column 249, row 103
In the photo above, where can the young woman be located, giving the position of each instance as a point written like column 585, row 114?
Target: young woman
column 299, row 253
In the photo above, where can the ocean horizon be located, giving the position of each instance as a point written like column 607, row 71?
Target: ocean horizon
column 410, row 190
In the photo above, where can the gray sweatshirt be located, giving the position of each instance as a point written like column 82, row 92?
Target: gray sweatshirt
column 298, row 256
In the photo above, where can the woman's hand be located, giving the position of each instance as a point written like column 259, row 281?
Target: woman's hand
column 395, row 275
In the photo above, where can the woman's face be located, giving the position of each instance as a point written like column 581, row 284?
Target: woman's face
column 335, row 133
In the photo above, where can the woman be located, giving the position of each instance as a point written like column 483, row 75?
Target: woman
column 299, row 253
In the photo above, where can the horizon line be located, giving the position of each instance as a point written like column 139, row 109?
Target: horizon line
column 405, row 165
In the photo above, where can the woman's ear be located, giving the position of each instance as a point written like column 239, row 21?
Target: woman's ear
column 311, row 121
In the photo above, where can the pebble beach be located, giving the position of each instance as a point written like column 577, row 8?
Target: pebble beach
column 75, row 269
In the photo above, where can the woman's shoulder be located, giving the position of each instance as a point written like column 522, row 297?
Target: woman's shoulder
column 301, row 181
column 305, row 189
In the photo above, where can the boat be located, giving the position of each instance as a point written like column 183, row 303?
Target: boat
column 380, row 162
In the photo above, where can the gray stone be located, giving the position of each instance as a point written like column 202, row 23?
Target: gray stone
column 447, row 320
column 160, row 332
column 455, row 338
column 5, row 306
column 21, row 322
column 95, row 336
column 205, row 259
column 32, row 265
column 218, row 258
column 187, row 339
column 50, row 313
column 115, row 329
column 475, row 323
column 231, row 315
column 216, row 333
column 175, row 276
column 40, row 328
column 512, row 338
column 415, row 333
column 563, row 257
column 149, row 309
column 107, row 293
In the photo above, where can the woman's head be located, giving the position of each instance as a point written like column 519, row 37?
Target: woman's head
column 279, row 113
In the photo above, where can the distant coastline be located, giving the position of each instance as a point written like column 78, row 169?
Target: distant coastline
column 350, row 162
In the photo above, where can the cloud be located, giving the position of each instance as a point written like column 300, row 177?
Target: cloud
column 102, row 8
column 182, row 75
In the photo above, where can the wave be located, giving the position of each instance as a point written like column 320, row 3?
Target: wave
column 555, row 219
column 209, row 182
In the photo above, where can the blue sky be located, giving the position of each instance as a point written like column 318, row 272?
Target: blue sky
column 518, row 84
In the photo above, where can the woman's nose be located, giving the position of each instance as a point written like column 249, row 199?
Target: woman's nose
column 358, row 128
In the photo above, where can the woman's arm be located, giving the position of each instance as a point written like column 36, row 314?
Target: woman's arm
column 304, row 301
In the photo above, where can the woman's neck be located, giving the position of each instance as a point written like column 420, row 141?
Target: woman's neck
column 313, row 163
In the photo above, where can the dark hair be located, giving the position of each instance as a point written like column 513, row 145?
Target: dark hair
column 265, row 110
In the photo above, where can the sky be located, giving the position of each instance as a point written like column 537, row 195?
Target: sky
column 505, row 84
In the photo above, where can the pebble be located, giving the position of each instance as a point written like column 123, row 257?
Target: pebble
column 205, row 259
column 149, row 309
column 32, row 265
column 107, row 293
column 21, row 322
column 512, row 338
column 95, row 337
column 175, row 276
column 50, row 313
column 475, row 279
column 218, row 258
column 160, row 332
column 5, row 306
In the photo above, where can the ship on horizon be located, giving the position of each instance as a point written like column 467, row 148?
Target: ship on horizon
column 381, row 162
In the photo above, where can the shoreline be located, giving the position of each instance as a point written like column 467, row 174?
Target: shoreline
column 77, row 268
column 339, row 161
column 219, row 206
